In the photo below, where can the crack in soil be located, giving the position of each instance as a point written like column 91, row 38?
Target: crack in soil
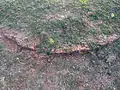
column 15, row 46
column 12, row 43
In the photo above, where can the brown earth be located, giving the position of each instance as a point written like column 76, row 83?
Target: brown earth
column 17, row 43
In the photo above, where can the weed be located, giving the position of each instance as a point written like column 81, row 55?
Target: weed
column 93, row 17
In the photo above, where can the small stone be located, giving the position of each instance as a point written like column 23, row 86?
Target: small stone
column 17, row 58
column 112, row 15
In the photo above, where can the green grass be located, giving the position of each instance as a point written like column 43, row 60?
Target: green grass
column 32, row 16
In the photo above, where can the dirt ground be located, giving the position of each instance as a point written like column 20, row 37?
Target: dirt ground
column 67, row 23
column 26, row 70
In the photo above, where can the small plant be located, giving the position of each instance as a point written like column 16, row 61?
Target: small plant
column 93, row 17
column 51, row 41
column 83, row 1
column 112, row 15
column 46, row 44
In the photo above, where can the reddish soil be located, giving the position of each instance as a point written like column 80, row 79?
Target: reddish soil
column 10, row 40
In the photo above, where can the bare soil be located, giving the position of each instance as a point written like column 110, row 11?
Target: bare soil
column 27, row 70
